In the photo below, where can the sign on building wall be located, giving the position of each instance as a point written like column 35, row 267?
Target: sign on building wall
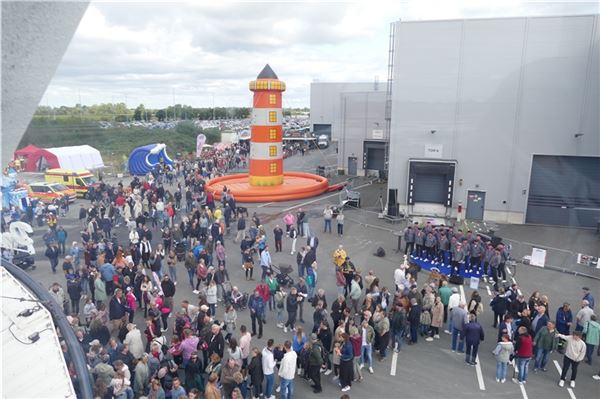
column 433, row 150
column 377, row 134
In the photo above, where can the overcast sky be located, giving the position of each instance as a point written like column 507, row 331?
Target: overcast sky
column 205, row 52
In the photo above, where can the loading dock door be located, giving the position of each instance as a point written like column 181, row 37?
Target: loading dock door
column 431, row 182
column 564, row 191
column 374, row 155
column 322, row 128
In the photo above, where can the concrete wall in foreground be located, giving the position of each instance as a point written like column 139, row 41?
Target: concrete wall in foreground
column 35, row 35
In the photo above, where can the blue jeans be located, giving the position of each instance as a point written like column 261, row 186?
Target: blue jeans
column 367, row 355
column 173, row 273
column 191, row 274
column 327, row 226
column 287, row 388
column 414, row 332
column 541, row 358
column 523, row 365
column 501, row 368
column 269, row 379
column 398, row 337
column 461, row 341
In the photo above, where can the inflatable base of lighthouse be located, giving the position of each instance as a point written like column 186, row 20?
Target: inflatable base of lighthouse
column 266, row 180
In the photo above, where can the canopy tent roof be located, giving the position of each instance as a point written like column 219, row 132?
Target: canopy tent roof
column 36, row 159
column 78, row 157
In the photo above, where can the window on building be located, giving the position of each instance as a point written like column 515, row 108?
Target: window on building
column 272, row 99
column 272, row 150
column 272, row 116
column 272, row 134
column 273, row 168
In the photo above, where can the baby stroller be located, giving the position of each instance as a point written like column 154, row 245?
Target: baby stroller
column 180, row 250
column 282, row 275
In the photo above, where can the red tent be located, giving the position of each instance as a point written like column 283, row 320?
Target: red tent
column 36, row 159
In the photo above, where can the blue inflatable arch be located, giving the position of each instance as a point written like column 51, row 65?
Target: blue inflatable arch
column 143, row 159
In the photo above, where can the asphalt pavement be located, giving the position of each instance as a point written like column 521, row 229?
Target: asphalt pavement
column 428, row 369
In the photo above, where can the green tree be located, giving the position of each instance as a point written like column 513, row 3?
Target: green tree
column 161, row 115
column 139, row 113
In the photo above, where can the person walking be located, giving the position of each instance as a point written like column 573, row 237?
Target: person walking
column 574, row 354
column 293, row 234
column 523, row 354
column 287, row 371
column 265, row 263
column 503, row 351
column 291, row 305
column 278, row 236
column 544, row 342
column 52, row 255
column 474, row 334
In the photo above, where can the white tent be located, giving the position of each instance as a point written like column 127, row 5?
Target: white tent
column 78, row 157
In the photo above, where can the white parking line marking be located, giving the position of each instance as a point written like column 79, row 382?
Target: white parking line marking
column 268, row 203
column 479, row 374
column 523, row 391
column 559, row 369
column 462, row 293
column 322, row 198
column 394, row 361
column 508, row 270
column 488, row 290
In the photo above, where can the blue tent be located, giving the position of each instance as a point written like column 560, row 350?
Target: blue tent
column 143, row 159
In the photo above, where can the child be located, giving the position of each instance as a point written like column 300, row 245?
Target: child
column 503, row 351
column 337, row 356
column 89, row 310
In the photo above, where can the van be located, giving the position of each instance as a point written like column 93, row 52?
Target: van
column 48, row 192
column 323, row 141
column 79, row 180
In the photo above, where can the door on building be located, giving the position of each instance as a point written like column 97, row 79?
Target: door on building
column 430, row 182
column 374, row 155
column 352, row 166
column 475, row 205
column 564, row 190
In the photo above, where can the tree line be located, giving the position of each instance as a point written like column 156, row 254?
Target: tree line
column 119, row 112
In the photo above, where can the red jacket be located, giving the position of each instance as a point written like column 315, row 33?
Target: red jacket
column 524, row 347
column 264, row 292
column 356, row 341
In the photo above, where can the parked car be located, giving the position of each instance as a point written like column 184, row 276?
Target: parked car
column 48, row 192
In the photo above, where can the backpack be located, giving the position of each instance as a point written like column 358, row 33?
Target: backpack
column 380, row 252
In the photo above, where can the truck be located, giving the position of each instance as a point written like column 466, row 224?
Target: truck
column 79, row 180
column 323, row 141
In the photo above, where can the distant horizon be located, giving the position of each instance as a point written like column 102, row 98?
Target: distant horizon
column 204, row 54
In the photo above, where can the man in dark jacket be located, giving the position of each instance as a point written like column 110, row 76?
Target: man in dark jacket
column 117, row 311
column 291, row 305
column 544, row 342
column 473, row 334
column 278, row 236
column 414, row 318
column 256, row 304
column 315, row 362
column 168, row 288
column 216, row 343
column 52, row 255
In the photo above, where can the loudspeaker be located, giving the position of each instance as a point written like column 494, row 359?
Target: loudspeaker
column 392, row 194
column 456, row 279
column 394, row 210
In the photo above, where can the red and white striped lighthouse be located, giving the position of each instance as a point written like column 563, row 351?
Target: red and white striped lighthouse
column 266, row 148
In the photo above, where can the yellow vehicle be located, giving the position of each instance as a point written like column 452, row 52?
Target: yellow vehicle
column 48, row 192
column 78, row 180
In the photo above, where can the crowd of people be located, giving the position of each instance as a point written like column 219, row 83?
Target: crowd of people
column 197, row 347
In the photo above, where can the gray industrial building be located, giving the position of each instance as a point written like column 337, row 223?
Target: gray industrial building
column 499, row 116
column 325, row 104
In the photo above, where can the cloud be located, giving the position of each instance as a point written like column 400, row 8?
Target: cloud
column 159, row 52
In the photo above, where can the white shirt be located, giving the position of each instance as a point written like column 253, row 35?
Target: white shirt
column 287, row 370
column 268, row 362
column 399, row 275
column 454, row 300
